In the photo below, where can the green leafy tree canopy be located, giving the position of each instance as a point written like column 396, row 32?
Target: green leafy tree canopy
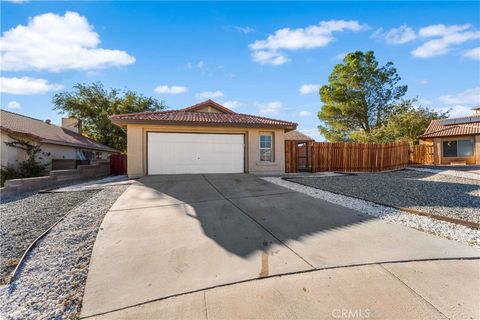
column 405, row 123
column 359, row 97
column 93, row 104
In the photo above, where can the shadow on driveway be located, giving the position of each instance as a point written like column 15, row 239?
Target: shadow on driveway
column 169, row 235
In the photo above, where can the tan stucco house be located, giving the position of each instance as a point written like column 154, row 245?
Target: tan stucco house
column 61, row 146
column 204, row 138
column 454, row 140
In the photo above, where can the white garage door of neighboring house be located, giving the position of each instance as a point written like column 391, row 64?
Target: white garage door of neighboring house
column 169, row 153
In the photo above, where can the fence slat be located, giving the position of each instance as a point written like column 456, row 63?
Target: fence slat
column 354, row 157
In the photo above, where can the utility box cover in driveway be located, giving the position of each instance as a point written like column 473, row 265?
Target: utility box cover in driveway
column 170, row 153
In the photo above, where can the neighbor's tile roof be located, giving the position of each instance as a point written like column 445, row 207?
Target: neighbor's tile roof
column 297, row 136
column 436, row 129
column 20, row 125
column 187, row 117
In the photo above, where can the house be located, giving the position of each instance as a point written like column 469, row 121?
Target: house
column 61, row 146
column 455, row 140
column 204, row 138
column 298, row 136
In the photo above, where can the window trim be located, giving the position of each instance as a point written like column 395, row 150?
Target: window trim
column 457, row 140
column 272, row 154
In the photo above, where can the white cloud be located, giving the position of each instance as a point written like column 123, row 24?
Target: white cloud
column 27, row 86
column 189, row 65
column 14, row 105
column 309, row 88
column 54, row 43
column 209, row 95
column 400, row 35
column 272, row 107
column 473, row 53
column 170, row 89
column 446, row 37
column 245, row 30
column 200, row 64
column 270, row 50
column 304, row 113
column 423, row 81
column 467, row 97
column 340, row 56
column 457, row 111
column 232, row 104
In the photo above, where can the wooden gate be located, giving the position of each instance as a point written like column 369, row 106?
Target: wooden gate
column 118, row 164
column 421, row 154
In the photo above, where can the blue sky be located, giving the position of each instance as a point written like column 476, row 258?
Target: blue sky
column 261, row 58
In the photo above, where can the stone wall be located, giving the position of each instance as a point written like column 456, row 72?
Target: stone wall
column 56, row 178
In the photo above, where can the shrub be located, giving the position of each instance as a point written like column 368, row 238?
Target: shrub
column 31, row 167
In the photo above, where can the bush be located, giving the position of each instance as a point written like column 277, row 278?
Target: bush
column 7, row 173
column 26, row 169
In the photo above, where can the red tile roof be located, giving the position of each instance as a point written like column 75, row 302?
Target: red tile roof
column 189, row 116
column 20, row 125
column 297, row 136
column 208, row 103
column 436, row 129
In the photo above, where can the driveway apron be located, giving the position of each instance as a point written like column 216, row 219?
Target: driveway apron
column 176, row 234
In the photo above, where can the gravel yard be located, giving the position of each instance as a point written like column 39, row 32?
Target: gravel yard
column 444, row 229
column 439, row 194
column 26, row 219
column 52, row 278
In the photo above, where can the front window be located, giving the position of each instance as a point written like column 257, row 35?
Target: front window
column 458, row 148
column 266, row 150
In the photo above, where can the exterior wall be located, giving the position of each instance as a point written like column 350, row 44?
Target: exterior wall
column 477, row 148
column 208, row 109
column 137, row 146
column 12, row 156
column 57, row 152
column 438, row 150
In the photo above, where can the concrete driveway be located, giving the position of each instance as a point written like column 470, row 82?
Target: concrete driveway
column 214, row 246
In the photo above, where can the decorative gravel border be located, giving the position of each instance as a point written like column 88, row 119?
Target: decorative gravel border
column 25, row 220
column 51, row 280
column 453, row 173
column 444, row 229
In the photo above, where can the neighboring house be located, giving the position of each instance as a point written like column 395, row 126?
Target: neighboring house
column 204, row 138
column 304, row 152
column 295, row 135
column 455, row 140
column 60, row 145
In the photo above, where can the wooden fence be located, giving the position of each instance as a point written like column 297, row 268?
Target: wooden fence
column 421, row 154
column 350, row 157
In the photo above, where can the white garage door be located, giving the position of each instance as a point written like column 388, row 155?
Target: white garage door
column 169, row 153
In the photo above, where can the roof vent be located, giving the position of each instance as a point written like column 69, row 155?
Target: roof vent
column 48, row 121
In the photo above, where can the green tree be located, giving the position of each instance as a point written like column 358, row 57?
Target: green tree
column 359, row 96
column 405, row 123
column 93, row 104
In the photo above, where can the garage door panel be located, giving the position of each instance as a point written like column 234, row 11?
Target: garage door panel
column 170, row 153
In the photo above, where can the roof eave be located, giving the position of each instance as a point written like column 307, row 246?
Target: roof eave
column 432, row 136
column 80, row 146
column 123, row 122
